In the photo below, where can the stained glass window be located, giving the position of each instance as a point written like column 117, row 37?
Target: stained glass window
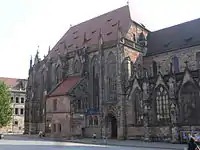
column 162, row 105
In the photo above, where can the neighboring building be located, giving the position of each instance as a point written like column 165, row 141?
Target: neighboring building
column 17, row 88
column 121, row 80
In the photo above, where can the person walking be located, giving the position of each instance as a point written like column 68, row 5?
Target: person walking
column 192, row 145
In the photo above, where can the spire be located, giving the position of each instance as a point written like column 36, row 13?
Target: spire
column 100, row 37
column 128, row 2
column 119, row 30
column 37, row 56
column 31, row 61
column 49, row 49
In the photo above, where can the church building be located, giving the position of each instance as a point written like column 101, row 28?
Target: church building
column 113, row 77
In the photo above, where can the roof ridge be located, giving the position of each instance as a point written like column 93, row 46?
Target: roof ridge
column 102, row 15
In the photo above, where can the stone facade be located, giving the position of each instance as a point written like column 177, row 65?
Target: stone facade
column 18, row 98
column 130, row 87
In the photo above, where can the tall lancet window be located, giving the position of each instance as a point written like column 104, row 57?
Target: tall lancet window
column 175, row 63
column 112, row 77
column 95, row 82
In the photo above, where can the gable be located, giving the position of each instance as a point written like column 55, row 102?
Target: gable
column 88, row 32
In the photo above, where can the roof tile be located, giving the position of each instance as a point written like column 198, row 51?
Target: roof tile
column 10, row 82
column 65, row 86
column 103, row 23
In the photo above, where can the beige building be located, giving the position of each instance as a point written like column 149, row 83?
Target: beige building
column 17, row 88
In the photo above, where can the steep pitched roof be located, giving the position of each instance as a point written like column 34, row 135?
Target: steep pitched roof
column 64, row 87
column 176, row 37
column 10, row 82
column 88, row 31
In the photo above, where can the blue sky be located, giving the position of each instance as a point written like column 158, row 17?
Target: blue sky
column 25, row 24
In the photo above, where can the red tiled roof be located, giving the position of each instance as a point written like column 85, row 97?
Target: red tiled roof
column 65, row 86
column 89, row 30
column 10, row 82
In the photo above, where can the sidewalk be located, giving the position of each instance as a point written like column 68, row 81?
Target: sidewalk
column 111, row 142
column 131, row 143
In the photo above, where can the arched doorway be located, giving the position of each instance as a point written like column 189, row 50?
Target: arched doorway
column 112, row 125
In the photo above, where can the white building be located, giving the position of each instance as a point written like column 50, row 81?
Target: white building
column 18, row 98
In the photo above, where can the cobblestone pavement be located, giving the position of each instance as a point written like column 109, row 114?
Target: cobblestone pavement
column 23, row 142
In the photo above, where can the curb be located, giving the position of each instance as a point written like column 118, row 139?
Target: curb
column 124, row 145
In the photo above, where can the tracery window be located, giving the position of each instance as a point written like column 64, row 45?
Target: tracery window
column 189, row 113
column 138, row 106
column 112, row 75
column 162, row 105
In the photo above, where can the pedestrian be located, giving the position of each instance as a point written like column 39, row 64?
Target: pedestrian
column 192, row 145
column 94, row 136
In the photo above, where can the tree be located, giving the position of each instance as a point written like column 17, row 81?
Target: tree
column 5, row 105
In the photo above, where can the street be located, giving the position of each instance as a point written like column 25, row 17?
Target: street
column 22, row 143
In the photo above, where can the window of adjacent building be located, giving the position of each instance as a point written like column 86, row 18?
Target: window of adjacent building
column 162, row 105
column 16, row 111
column 55, row 103
column 17, row 99
column 11, row 99
column 21, row 111
column 16, row 123
column 22, row 100
column 175, row 63
column 54, row 127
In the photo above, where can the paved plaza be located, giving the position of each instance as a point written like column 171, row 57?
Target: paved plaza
column 33, row 143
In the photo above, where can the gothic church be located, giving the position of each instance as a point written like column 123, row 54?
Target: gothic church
column 113, row 77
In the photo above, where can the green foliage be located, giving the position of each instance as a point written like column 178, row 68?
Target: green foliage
column 5, row 105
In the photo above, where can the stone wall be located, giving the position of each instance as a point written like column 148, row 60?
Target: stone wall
column 164, row 59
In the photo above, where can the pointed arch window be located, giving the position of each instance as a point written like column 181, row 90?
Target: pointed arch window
column 90, row 120
column 95, row 82
column 138, row 107
column 95, row 120
column 189, row 103
column 175, row 63
column 112, row 76
column 77, row 66
column 162, row 105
